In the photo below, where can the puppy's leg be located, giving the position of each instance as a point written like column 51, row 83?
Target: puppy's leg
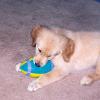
column 93, row 76
column 46, row 79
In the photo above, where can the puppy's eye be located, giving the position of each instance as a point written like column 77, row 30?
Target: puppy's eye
column 49, row 56
column 56, row 53
column 39, row 50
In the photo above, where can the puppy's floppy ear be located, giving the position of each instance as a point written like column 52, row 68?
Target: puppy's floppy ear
column 68, row 51
column 34, row 33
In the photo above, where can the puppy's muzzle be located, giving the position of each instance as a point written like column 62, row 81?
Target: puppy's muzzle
column 37, row 64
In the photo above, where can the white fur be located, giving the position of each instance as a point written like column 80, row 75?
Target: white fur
column 86, row 54
column 85, row 80
column 87, row 51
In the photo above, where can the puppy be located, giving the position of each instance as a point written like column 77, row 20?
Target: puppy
column 69, row 52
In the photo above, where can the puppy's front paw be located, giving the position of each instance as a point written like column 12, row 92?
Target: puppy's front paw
column 86, row 80
column 33, row 86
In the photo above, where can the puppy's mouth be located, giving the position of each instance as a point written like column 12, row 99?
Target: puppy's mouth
column 37, row 64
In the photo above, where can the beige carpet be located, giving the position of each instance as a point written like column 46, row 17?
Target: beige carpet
column 17, row 17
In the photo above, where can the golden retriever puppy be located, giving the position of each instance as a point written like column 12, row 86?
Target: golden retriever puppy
column 69, row 52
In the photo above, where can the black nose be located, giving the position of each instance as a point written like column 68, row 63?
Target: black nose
column 37, row 64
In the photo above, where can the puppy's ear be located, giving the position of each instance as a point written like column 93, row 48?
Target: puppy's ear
column 35, row 32
column 68, row 49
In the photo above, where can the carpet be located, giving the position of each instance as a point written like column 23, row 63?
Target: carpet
column 17, row 17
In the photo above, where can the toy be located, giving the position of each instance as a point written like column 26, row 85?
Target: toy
column 31, row 69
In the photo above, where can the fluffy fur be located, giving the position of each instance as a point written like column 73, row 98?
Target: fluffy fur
column 69, row 51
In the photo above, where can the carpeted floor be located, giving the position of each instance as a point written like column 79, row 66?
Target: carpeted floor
column 17, row 17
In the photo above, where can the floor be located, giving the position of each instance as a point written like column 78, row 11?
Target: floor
column 17, row 17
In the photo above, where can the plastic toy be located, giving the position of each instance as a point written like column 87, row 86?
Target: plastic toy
column 31, row 69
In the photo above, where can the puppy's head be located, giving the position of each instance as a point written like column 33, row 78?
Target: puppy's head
column 49, row 45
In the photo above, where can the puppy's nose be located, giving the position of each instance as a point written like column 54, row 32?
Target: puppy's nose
column 37, row 64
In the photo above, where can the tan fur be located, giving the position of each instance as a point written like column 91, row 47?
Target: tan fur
column 76, row 51
column 35, row 32
column 69, row 49
column 96, row 75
